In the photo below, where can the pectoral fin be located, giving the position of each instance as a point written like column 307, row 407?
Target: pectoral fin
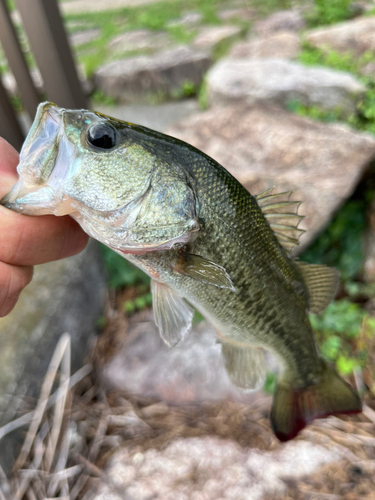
column 173, row 315
column 204, row 270
column 245, row 364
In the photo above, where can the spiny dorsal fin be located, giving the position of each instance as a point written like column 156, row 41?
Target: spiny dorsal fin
column 245, row 364
column 321, row 282
column 173, row 315
column 282, row 215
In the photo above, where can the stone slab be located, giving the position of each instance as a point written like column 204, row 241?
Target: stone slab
column 137, row 78
column 282, row 20
column 139, row 40
column 283, row 44
column 208, row 468
column 280, row 81
column 210, row 37
column 265, row 146
column 355, row 37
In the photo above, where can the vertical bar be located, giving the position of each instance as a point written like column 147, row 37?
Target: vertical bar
column 9, row 126
column 49, row 43
column 16, row 61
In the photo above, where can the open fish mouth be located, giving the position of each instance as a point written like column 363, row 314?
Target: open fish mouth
column 43, row 165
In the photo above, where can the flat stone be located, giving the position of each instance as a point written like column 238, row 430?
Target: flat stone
column 280, row 81
column 139, row 40
column 283, row 44
column 188, row 20
column 84, row 6
column 244, row 13
column 82, row 37
column 212, row 36
column 64, row 296
column 193, row 371
column 135, row 79
column 283, row 20
column 156, row 117
column 355, row 37
column 209, row 468
column 264, row 146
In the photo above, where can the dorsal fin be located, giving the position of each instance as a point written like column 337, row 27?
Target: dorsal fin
column 282, row 215
column 321, row 282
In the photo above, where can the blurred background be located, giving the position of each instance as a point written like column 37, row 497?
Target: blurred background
column 281, row 93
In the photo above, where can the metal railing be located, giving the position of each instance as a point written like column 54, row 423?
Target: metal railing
column 43, row 26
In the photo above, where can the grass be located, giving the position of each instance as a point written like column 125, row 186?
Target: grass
column 329, row 12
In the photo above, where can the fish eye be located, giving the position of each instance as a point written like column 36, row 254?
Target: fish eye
column 101, row 135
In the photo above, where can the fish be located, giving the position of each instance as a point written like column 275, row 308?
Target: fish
column 204, row 240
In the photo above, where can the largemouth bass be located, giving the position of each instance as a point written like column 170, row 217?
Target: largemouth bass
column 205, row 241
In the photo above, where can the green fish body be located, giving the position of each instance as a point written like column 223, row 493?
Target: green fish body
column 205, row 241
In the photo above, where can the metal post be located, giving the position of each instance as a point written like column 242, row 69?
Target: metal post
column 16, row 61
column 49, row 44
column 9, row 126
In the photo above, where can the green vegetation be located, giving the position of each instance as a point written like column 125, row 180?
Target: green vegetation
column 330, row 12
column 340, row 245
column 120, row 272
column 340, row 331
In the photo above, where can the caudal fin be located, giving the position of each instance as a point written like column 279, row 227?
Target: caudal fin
column 293, row 409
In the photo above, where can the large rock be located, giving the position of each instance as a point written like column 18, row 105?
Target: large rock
column 283, row 20
column 86, row 36
column 355, row 37
column 283, row 44
column 208, row 468
column 210, row 37
column 139, row 40
column 139, row 78
column 263, row 146
column 64, row 296
column 192, row 371
column 279, row 81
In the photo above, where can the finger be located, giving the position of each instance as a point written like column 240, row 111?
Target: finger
column 12, row 281
column 27, row 241
column 8, row 164
column 8, row 158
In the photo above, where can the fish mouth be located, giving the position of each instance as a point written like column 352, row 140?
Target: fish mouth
column 45, row 152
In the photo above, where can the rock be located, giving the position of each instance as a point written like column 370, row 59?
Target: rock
column 263, row 146
column 209, row 468
column 212, row 36
column 283, row 44
column 86, row 6
column 192, row 371
column 369, row 247
column 245, row 14
column 188, row 20
column 86, row 36
column 355, row 37
column 283, row 20
column 64, row 296
column 280, row 81
column 137, row 78
column 139, row 40
column 156, row 117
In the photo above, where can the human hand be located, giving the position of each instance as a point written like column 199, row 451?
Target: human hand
column 26, row 241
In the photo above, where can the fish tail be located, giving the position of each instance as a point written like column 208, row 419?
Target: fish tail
column 293, row 409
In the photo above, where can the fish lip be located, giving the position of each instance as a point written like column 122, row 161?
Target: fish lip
column 26, row 200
